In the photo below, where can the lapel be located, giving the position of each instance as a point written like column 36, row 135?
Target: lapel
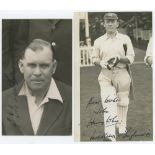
column 52, row 110
column 23, row 119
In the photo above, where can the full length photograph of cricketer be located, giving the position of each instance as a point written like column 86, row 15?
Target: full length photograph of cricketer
column 115, row 61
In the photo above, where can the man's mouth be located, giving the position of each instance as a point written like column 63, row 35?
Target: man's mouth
column 37, row 80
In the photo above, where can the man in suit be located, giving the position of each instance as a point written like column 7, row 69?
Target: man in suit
column 9, row 28
column 39, row 105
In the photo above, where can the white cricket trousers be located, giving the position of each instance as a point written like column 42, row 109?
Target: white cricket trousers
column 114, row 89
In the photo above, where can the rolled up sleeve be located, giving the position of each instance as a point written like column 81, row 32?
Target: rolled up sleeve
column 130, row 51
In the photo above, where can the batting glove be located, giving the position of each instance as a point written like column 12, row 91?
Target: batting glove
column 113, row 61
column 103, row 64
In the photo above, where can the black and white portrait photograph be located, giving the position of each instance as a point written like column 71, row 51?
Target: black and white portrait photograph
column 36, row 77
column 115, row 63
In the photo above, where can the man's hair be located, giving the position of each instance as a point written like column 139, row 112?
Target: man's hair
column 38, row 44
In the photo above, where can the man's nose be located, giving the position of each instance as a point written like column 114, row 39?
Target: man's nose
column 37, row 71
column 110, row 23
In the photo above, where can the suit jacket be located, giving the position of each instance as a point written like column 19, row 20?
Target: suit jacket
column 9, row 28
column 56, row 118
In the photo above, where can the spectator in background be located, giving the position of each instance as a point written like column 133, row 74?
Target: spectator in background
column 148, row 58
column 9, row 28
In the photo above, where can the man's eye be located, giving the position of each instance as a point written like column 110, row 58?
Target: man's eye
column 44, row 66
column 32, row 65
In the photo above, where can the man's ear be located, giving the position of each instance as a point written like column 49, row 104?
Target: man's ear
column 55, row 63
column 21, row 66
column 117, row 24
column 104, row 24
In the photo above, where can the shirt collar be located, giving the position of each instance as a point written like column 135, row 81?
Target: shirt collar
column 116, row 36
column 53, row 92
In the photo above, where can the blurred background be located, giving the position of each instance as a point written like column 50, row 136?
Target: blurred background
column 137, row 25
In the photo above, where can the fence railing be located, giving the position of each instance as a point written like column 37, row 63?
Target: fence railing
column 142, row 34
column 85, row 52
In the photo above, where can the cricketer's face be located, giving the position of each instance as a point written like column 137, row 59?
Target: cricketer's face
column 38, row 68
column 111, row 25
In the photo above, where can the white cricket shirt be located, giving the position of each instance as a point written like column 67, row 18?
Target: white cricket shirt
column 106, row 48
column 149, row 50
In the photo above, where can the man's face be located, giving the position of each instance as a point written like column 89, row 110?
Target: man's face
column 38, row 68
column 111, row 25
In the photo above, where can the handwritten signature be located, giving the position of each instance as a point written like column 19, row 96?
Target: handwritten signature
column 132, row 133
column 101, row 110
column 109, row 100
column 94, row 122
column 93, row 101
column 95, row 136
column 110, row 120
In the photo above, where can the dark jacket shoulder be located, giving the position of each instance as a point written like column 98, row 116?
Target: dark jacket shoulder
column 65, row 91
column 63, row 87
column 11, row 92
